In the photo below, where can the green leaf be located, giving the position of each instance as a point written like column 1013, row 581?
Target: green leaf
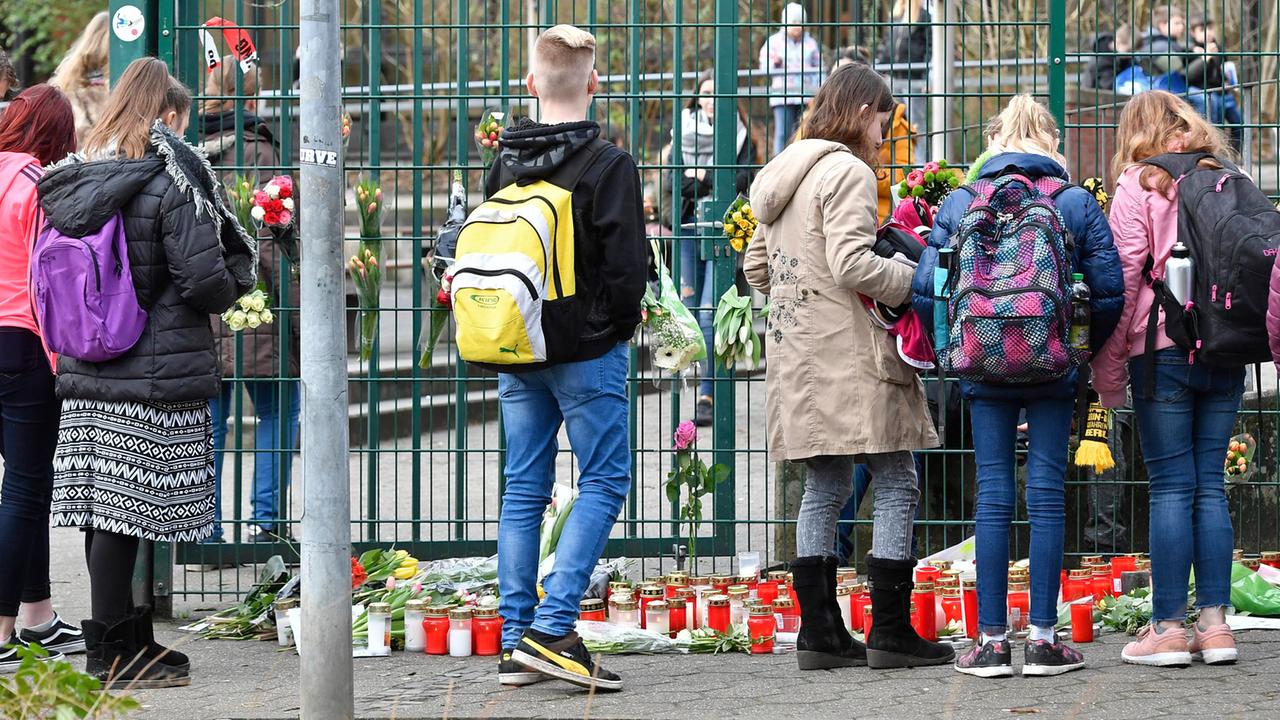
column 673, row 492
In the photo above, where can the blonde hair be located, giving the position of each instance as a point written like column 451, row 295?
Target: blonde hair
column 1025, row 126
column 908, row 10
column 145, row 92
column 563, row 58
column 222, row 82
column 90, row 54
column 1150, row 124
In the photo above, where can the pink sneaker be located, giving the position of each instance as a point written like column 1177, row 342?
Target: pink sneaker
column 1215, row 646
column 1162, row 649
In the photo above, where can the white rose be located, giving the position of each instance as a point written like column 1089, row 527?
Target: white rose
column 257, row 303
column 288, row 203
column 267, row 316
column 272, row 190
column 237, row 321
column 257, row 213
column 253, row 321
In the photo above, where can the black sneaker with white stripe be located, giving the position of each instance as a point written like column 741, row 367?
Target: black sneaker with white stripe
column 10, row 660
column 564, row 658
column 509, row 673
column 61, row 637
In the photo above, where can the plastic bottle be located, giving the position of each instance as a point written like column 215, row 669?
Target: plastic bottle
column 1177, row 273
column 1080, row 314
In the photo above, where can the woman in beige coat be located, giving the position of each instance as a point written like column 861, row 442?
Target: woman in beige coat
column 837, row 391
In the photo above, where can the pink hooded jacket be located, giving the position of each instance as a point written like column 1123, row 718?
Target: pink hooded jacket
column 1144, row 223
column 1273, row 312
column 20, row 220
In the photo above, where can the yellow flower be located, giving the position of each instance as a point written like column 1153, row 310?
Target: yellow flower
column 737, row 243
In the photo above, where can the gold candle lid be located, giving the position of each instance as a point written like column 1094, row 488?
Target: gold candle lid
column 438, row 611
column 718, row 601
column 591, row 605
column 460, row 613
column 842, row 590
column 778, row 575
column 486, row 612
column 738, row 592
column 652, row 591
column 380, row 607
column 675, row 603
column 415, row 606
column 783, row 601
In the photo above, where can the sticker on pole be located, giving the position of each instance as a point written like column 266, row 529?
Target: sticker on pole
column 316, row 156
column 238, row 40
column 128, row 23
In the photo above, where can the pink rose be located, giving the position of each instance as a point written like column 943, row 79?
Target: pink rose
column 932, row 167
column 686, row 435
column 286, row 217
column 260, row 198
column 915, row 178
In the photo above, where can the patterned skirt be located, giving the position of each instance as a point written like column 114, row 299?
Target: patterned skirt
column 135, row 468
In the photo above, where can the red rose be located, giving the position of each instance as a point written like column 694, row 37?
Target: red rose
column 358, row 575
column 286, row 192
column 277, row 206
column 442, row 298
column 271, row 218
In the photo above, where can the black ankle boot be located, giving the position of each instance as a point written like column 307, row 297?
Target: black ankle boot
column 113, row 656
column 145, row 637
column 893, row 643
column 823, row 641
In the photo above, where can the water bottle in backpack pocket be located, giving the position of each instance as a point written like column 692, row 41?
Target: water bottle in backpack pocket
column 1009, row 305
column 83, row 293
column 1231, row 233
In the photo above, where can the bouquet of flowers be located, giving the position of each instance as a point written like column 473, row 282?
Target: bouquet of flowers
column 676, row 341
column 251, row 311
column 931, row 183
column 1238, row 467
column 240, row 199
column 736, row 340
column 740, row 223
column 364, row 266
column 441, row 260
column 488, row 134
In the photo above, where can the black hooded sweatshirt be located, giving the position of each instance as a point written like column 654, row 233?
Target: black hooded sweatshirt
column 612, row 258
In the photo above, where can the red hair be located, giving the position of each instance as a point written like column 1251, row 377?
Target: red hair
column 39, row 122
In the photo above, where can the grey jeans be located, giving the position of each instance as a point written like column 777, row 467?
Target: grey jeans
column 827, row 487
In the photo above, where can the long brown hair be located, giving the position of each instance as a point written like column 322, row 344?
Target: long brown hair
column 837, row 113
column 145, row 92
column 222, row 82
column 1153, row 120
column 90, row 54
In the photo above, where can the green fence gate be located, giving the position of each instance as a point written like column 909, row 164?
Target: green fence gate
column 427, row 445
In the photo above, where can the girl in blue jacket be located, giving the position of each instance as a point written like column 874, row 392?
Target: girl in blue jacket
column 1024, row 138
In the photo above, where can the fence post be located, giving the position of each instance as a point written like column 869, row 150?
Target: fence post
column 326, row 687
column 134, row 32
column 1058, row 66
column 941, row 71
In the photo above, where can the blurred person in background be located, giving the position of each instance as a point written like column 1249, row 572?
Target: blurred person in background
column 792, row 58
column 83, row 74
column 906, row 50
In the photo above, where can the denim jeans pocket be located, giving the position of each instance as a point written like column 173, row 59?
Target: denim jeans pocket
column 20, row 352
column 1172, row 376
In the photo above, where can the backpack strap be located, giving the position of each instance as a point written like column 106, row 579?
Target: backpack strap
column 1178, row 164
column 579, row 164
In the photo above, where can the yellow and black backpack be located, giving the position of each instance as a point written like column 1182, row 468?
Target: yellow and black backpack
column 514, row 283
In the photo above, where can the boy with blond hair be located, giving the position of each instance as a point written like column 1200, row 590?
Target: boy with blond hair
column 587, row 392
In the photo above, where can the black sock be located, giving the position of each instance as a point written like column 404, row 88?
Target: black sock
column 111, row 561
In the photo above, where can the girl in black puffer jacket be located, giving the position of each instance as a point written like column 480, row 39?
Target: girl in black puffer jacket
column 135, row 455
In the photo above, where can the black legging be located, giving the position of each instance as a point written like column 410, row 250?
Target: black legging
column 111, row 558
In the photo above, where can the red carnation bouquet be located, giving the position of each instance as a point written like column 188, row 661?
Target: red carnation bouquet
column 273, row 208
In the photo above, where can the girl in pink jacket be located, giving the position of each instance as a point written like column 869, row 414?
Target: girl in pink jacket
column 36, row 130
column 1186, row 415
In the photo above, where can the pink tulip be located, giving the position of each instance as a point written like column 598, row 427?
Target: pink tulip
column 391, row 583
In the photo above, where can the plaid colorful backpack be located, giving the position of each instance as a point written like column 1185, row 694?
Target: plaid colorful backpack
column 1009, row 300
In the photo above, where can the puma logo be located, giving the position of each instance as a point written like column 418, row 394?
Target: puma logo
column 509, row 351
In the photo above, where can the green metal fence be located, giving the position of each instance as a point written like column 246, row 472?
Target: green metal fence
column 426, row 440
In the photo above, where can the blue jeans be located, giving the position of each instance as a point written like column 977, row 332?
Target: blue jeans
column 995, row 433
column 1185, row 426
column 272, row 459
column 29, row 414
column 691, row 268
column 590, row 399
column 786, row 118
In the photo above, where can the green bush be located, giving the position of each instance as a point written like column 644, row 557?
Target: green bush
column 41, row 689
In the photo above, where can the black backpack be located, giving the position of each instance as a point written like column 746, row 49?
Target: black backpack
column 1232, row 232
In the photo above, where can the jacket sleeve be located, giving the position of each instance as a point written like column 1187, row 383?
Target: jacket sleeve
column 1100, row 264
column 618, row 218
column 848, row 197
column 755, row 262
column 1131, row 231
column 1273, row 313
column 194, row 255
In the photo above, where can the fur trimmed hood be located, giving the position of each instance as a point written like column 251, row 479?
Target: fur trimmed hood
column 80, row 194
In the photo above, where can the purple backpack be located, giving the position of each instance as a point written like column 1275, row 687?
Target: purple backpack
column 84, row 299
column 1009, row 312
